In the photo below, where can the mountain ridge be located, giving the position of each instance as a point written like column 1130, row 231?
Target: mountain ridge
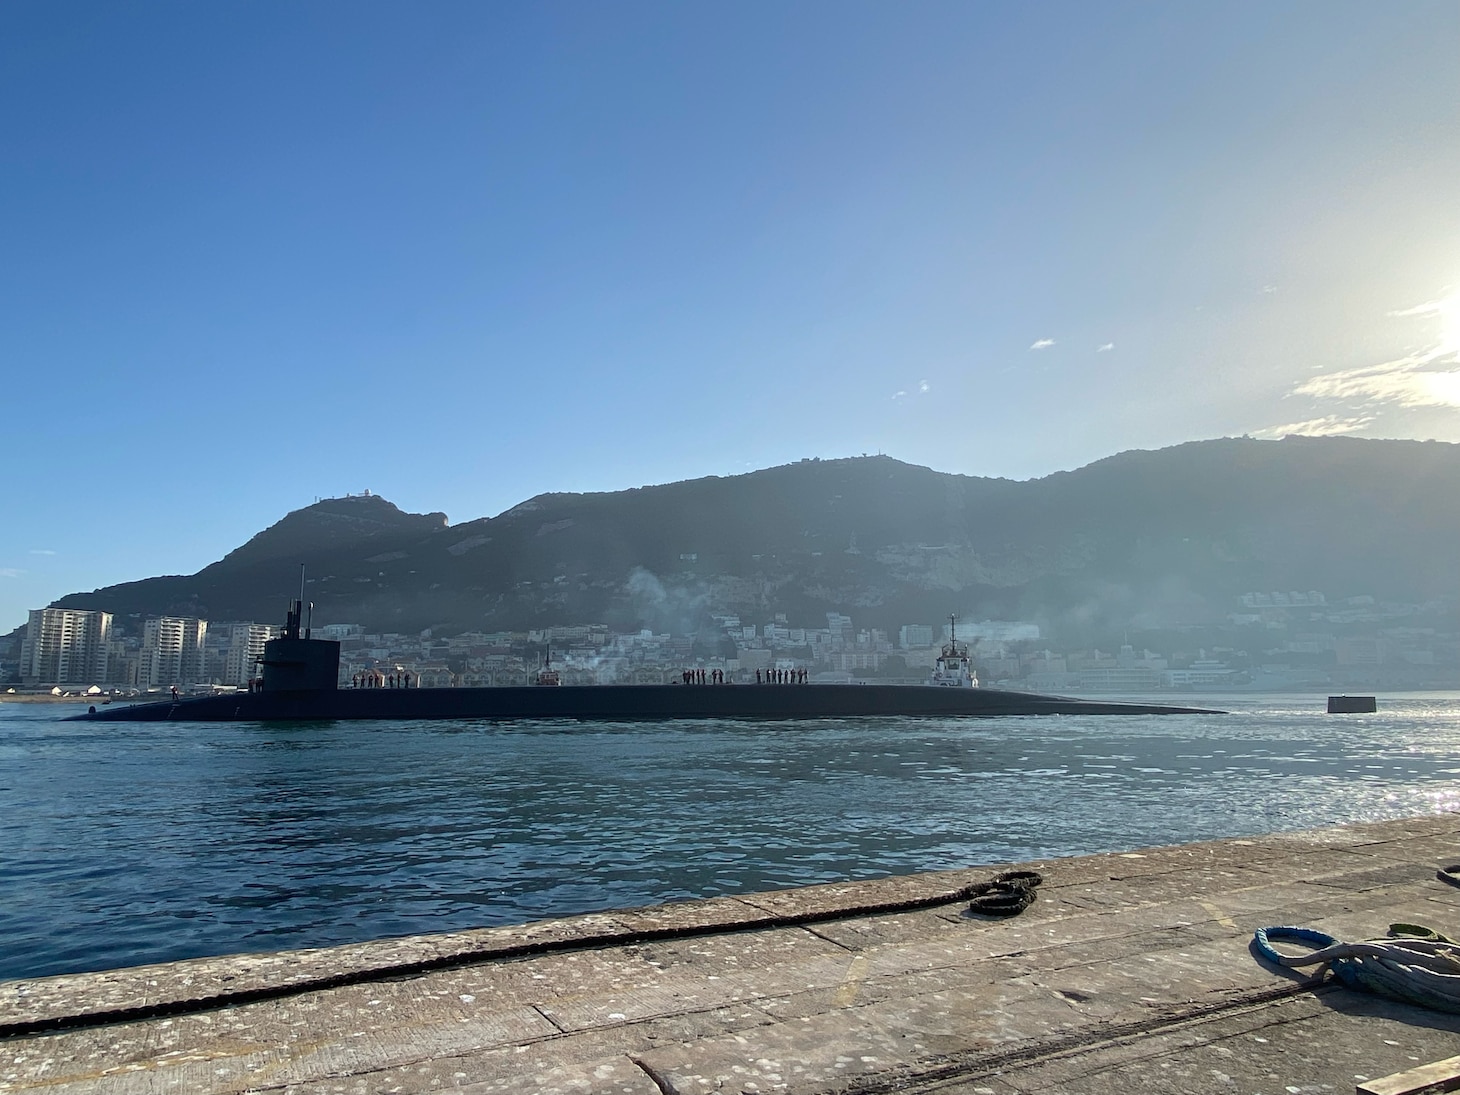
column 1162, row 536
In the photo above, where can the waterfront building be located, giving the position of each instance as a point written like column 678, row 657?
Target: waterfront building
column 1118, row 679
column 65, row 646
column 856, row 661
column 123, row 658
column 432, row 676
column 913, row 636
column 1294, row 599
column 1203, row 672
column 1359, row 650
column 172, row 651
column 245, row 651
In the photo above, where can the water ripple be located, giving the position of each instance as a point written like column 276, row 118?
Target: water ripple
column 147, row 842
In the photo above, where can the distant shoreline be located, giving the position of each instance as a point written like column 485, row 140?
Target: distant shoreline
column 31, row 697
column 1172, row 696
column 46, row 697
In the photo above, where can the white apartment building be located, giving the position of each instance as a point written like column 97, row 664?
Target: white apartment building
column 912, row 636
column 853, row 661
column 245, row 651
column 172, row 651
column 65, row 646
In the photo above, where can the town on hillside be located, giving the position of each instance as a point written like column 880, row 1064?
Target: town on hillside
column 1270, row 641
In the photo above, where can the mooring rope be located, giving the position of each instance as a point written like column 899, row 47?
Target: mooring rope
column 1415, row 964
column 1006, row 894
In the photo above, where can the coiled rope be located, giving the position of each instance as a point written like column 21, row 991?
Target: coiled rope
column 1414, row 964
column 1008, row 894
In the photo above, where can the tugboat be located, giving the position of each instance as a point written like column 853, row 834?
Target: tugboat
column 954, row 668
column 547, row 675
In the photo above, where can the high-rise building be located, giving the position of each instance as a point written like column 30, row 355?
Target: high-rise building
column 246, row 650
column 123, row 656
column 172, row 651
column 65, row 646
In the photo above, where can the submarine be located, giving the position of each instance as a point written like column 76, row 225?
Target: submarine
column 300, row 682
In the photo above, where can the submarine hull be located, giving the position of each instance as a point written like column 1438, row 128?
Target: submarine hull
column 628, row 702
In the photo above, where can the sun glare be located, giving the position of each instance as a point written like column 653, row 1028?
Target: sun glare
column 1448, row 309
column 1445, row 311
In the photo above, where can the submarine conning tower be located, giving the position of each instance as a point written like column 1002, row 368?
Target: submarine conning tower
column 294, row 662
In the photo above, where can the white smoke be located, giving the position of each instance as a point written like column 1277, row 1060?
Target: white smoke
column 674, row 609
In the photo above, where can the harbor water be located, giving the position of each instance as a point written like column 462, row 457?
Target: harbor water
column 128, row 843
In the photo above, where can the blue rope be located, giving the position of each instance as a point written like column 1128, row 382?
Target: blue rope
column 1306, row 936
column 1415, row 970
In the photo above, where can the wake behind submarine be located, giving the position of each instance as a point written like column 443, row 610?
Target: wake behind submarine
column 300, row 681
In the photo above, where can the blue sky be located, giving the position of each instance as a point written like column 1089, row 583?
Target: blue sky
column 463, row 253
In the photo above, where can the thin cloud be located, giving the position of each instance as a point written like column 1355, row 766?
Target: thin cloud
column 1331, row 425
column 1447, row 311
column 1428, row 308
column 1043, row 344
column 10, row 572
column 923, row 388
column 1414, row 381
column 1105, row 348
column 41, row 551
column 1269, row 289
column 1428, row 378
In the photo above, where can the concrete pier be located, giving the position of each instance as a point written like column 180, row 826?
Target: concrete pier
column 1131, row 972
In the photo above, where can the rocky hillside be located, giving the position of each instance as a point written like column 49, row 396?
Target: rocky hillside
column 1143, row 538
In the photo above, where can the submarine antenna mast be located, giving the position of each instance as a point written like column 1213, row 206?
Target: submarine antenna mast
column 308, row 621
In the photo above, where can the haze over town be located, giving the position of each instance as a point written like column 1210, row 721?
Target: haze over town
column 1306, row 563
column 467, row 254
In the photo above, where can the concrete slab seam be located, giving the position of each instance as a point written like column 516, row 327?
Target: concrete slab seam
column 963, row 1067
column 655, row 1078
